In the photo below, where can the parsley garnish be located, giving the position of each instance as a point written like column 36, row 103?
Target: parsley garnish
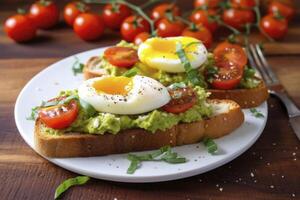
column 211, row 146
column 77, row 67
column 163, row 154
column 256, row 113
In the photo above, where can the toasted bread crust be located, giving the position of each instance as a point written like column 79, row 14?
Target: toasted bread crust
column 246, row 98
column 88, row 71
column 84, row 145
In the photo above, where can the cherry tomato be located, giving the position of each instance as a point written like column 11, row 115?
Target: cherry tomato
column 61, row 116
column 121, row 56
column 114, row 15
column 202, row 17
column 168, row 28
column 72, row 10
column 227, row 78
column 238, row 18
column 45, row 14
column 275, row 28
column 243, row 4
column 141, row 37
column 20, row 28
column 285, row 10
column 160, row 10
column 200, row 33
column 132, row 26
column 88, row 26
column 227, row 55
column 208, row 3
column 182, row 100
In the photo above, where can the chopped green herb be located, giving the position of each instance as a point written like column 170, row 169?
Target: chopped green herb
column 211, row 146
column 77, row 67
column 163, row 154
column 211, row 71
column 192, row 74
column 87, row 108
column 132, row 72
column 249, row 80
column 175, row 86
column 34, row 113
column 64, row 186
column 256, row 113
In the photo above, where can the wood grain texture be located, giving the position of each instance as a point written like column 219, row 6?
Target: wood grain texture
column 268, row 170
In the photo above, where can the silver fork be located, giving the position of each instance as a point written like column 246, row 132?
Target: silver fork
column 259, row 62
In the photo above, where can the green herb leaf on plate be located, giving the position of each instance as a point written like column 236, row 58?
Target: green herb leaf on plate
column 130, row 73
column 211, row 146
column 87, row 108
column 256, row 113
column 77, row 67
column 65, row 185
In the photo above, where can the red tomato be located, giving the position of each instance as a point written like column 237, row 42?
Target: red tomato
column 160, row 10
column 141, row 37
column 45, row 14
column 132, row 26
column 275, row 28
column 182, row 100
column 227, row 78
column 237, row 18
column 114, row 15
column 167, row 28
column 88, row 26
column 243, row 4
column 202, row 17
column 121, row 56
column 228, row 55
column 208, row 3
column 72, row 10
column 201, row 33
column 285, row 10
column 59, row 117
column 20, row 28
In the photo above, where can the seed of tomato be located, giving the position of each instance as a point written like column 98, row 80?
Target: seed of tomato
column 88, row 26
column 132, row 26
column 275, row 28
column 121, row 56
column 168, row 28
column 227, row 78
column 45, row 14
column 237, row 18
column 141, row 37
column 202, row 17
column 114, row 15
column 20, row 28
column 201, row 33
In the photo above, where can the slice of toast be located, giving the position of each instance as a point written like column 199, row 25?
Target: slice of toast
column 227, row 117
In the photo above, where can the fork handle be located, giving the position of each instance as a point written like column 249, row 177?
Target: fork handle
column 292, row 109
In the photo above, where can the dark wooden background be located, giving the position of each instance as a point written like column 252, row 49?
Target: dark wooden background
column 270, row 169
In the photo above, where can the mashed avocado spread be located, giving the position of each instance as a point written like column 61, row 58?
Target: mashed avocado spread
column 100, row 123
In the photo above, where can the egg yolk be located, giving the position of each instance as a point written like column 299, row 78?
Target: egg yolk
column 113, row 85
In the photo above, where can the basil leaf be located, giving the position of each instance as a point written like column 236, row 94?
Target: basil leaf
column 256, row 113
column 87, row 108
column 64, row 186
column 133, row 166
column 210, row 145
column 130, row 73
column 77, row 67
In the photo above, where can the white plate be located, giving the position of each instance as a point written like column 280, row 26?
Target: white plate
column 59, row 76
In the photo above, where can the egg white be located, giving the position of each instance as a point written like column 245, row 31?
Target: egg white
column 171, row 65
column 146, row 95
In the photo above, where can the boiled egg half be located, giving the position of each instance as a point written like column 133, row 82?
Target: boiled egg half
column 123, row 95
column 160, row 53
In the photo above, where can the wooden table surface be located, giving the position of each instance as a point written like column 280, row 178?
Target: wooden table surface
column 268, row 170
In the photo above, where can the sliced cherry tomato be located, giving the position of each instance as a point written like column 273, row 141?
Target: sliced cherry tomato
column 237, row 18
column 20, row 28
column 227, row 78
column 45, row 14
column 141, row 37
column 61, row 116
column 283, row 9
column 168, row 28
column 243, row 4
column 132, row 26
column 88, row 26
column 121, row 56
column 114, row 15
column 207, row 3
column 202, row 17
column 160, row 10
column 182, row 100
column 227, row 55
column 274, row 27
column 200, row 33
column 72, row 10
